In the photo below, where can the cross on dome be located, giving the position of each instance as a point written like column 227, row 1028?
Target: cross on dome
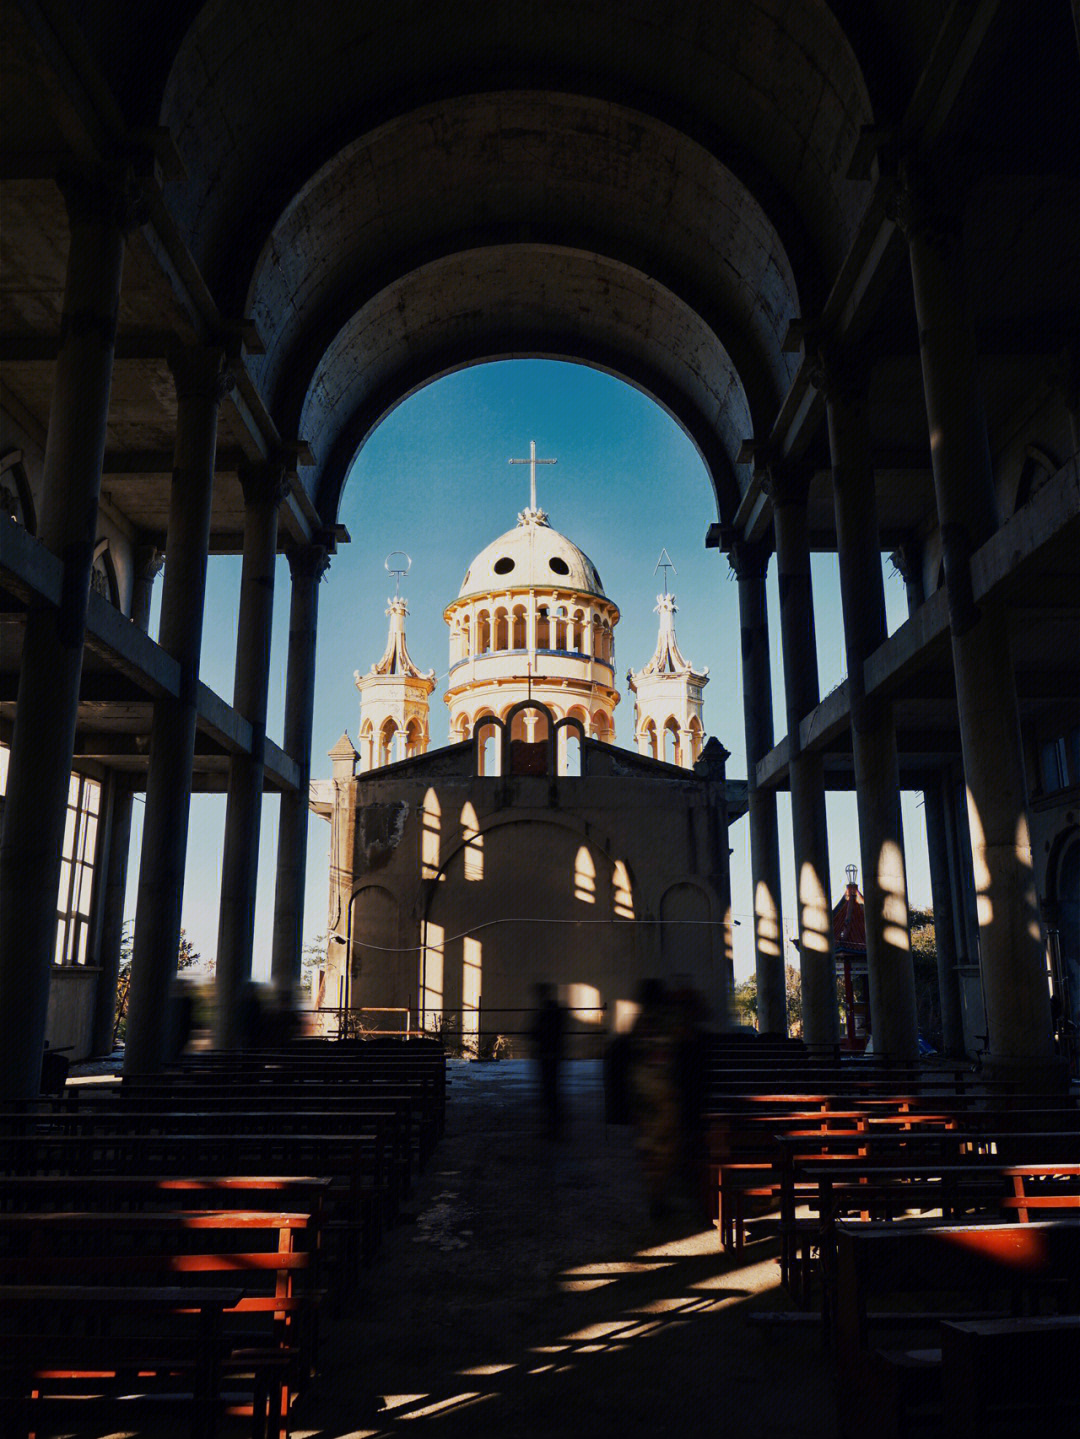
column 532, row 513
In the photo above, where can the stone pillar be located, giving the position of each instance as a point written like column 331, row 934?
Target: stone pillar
column 265, row 486
column 201, row 384
column 821, row 1021
column 1012, row 953
column 147, row 566
column 50, row 672
column 750, row 564
column 148, row 562
column 307, row 567
column 952, row 1020
column 893, row 1019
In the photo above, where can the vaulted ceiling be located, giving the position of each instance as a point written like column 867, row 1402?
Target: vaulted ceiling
column 357, row 198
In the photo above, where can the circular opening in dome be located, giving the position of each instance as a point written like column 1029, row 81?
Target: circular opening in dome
column 558, row 564
column 503, row 566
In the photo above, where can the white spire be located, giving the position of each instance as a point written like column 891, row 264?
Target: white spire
column 667, row 694
column 396, row 659
column 393, row 699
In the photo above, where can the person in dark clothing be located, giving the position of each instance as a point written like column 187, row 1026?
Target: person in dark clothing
column 547, row 1036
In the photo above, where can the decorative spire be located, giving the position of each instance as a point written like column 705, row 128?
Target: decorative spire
column 667, row 658
column 396, row 659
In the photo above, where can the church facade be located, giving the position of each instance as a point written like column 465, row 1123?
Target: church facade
column 531, row 849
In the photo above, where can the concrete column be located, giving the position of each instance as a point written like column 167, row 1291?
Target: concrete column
column 1011, row 945
column 148, row 562
column 265, row 486
column 952, row 1020
column 147, row 565
column 201, row 384
column 750, row 564
column 51, row 667
column 821, row 1022
column 307, row 567
column 893, row 1019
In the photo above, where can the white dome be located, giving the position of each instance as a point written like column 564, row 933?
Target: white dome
column 531, row 556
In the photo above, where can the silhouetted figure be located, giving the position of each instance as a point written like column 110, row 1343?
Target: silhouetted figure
column 547, row 1035
column 655, row 1094
column 689, row 1067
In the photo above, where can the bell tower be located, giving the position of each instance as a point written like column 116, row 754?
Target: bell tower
column 668, row 702
column 393, row 700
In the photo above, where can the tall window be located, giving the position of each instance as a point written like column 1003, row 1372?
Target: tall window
column 77, row 871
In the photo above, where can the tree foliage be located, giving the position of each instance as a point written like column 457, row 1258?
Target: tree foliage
column 187, row 957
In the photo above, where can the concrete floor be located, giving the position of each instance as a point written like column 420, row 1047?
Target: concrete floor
column 533, row 1297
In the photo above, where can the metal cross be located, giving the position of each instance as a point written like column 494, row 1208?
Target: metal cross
column 532, row 462
column 398, row 570
column 664, row 563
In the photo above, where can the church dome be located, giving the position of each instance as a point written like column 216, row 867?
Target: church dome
column 532, row 555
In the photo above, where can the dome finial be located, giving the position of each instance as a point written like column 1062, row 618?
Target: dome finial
column 664, row 563
column 532, row 462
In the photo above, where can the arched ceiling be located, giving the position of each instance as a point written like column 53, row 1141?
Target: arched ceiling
column 504, row 302
column 667, row 187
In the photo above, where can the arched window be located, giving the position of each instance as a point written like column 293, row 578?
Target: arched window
column 584, row 876
column 694, row 743
column 483, row 632
column 622, row 892
column 671, row 741
column 577, row 626
column 466, row 637
column 387, row 733
column 474, row 844
column 518, row 639
column 543, row 629
column 367, row 745
column 431, row 835
column 414, row 738
column 647, row 738
column 502, row 630
column 487, row 735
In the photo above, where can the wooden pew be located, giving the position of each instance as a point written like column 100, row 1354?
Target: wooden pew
column 269, row 1336
column 109, row 1334
column 903, row 1280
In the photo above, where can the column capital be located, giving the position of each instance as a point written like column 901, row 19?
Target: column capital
column 308, row 562
column 200, row 372
column 149, row 560
column 787, row 482
column 107, row 194
column 265, row 482
column 840, row 373
column 749, row 561
column 918, row 208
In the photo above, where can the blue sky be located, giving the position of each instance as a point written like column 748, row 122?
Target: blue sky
column 433, row 480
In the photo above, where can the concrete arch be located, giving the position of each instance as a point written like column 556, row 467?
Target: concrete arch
column 788, row 123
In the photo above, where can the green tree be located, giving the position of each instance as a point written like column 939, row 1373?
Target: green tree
column 186, row 958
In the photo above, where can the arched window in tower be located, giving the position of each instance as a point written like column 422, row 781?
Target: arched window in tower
column 487, row 745
column 584, row 876
column 430, row 836
column 577, row 625
column 387, row 734
column 622, row 892
column 367, row 746
column 543, row 629
column 461, row 729
column 671, row 741
column 414, row 739
column 560, row 628
column 647, row 738
column 502, row 630
column 694, row 743
column 474, row 844
column 518, row 639
column 483, row 632
column 466, row 637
